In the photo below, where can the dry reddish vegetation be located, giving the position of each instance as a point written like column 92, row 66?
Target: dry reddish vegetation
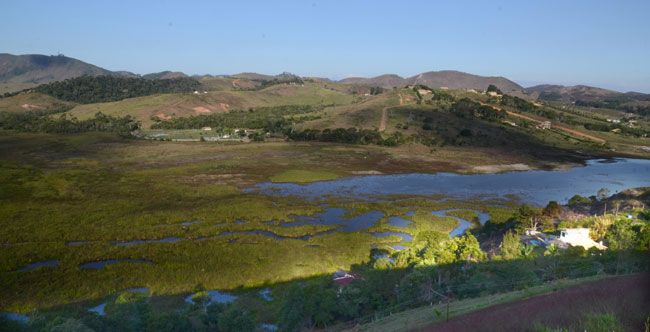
column 628, row 298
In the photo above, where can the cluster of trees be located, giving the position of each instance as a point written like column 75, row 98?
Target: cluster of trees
column 622, row 102
column 518, row 103
column 284, row 78
column 376, row 90
column 606, row 127
column 528, row 107
column 274, row 119
column 133, row 312
column 96, row 89
column 348, row 136
column 469, row 108
column 493, row 88
column 438, row 268
column 64, row 124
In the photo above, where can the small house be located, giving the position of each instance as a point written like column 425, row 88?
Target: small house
column 343, row 278
column 544, row 125
column 578, row 237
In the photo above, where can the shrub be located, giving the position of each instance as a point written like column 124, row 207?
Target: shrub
column 602, row 323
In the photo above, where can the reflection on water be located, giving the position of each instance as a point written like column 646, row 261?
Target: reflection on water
column 334, row 216
column 38, row 265
column 103, row 263
column 536, row 187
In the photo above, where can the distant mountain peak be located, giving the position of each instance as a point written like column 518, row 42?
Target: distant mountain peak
column 38, row 68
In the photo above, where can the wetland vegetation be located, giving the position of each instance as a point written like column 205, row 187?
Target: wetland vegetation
column 82, row 224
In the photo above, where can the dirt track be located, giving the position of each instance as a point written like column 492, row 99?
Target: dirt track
column 563, row 128
column 384, row 114
column 627, row 297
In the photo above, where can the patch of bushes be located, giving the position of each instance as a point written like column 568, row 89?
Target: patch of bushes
column 469, row 108
column 64, row 124
column 274, row 119
column 97, row 89
column 348, row 136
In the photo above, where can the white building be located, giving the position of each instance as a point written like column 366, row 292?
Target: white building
column 578, row 237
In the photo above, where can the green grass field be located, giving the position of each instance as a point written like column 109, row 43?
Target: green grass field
column 303, row 176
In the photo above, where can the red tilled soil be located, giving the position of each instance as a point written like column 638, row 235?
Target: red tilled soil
column 626, row 297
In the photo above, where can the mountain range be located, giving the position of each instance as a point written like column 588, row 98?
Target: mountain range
column 33, row 69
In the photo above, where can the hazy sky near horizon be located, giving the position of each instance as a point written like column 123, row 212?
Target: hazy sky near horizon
column 601, row 43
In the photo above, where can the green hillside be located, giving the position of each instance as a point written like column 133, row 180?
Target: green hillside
column 169, row 106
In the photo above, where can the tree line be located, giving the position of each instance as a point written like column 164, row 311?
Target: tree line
column 347, row 136
column 34, row 121
column 469, row 108
column 96, row 89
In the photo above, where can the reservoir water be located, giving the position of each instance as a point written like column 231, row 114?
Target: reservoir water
column 537, row 187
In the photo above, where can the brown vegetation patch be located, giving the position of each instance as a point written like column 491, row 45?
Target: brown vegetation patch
column 205, row 179
column 502, row 168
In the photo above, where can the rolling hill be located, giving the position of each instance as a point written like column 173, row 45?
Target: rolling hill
column 581, row 93
column 164, row 75
column 459, row 80
column 167, row 106
column 436, row 79
column 33, row 101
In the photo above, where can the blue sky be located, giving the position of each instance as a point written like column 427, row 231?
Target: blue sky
column 602, row 43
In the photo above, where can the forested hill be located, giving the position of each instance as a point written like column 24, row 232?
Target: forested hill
column 97, row 89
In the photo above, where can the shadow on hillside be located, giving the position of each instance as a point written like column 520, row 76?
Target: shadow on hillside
column 385, row 285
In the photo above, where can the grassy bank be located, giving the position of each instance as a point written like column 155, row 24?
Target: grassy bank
column 420, row 317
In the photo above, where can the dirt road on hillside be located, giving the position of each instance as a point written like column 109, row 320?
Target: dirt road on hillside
column 384, row 114
column 567, row 130
column 560, row 127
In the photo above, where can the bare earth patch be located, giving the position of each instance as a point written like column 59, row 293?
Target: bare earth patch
column 201, row 110
column 370, row 172
column 30, row 107
column 163, row 116
column 501, row 168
